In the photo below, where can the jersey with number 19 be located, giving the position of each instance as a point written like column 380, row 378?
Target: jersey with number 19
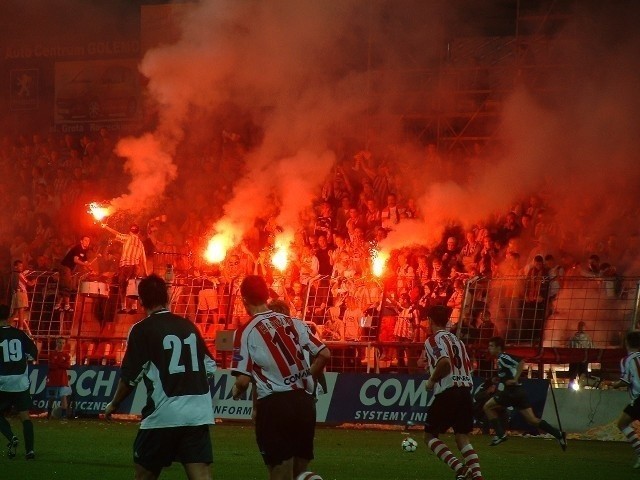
column 269, row 348
column 169, row 355
column 16, row 349
column 444, row 344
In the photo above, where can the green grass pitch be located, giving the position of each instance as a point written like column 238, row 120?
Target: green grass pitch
column 94, row 449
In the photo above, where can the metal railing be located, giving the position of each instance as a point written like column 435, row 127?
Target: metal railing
column 538, row 326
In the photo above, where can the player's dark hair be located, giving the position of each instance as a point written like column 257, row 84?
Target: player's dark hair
column 153, row 292
column 632, row 339
column 4, row 312
column 280, row 306
column 439, row 314
column 254, row 290
column 17, row 262
column 498, row 342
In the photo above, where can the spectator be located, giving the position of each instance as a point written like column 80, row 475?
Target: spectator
column 405, row 327
column 19, row 298
column 390, row 215
column 555, row 275
column 580, row 339
column 131, row 259
column 76, row 257
column 58, row 379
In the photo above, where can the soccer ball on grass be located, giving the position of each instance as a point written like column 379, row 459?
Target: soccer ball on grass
column 409, row 445
column 308, row 476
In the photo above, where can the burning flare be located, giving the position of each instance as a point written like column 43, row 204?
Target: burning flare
column 217, row 248
column 378, row 262
column 99, row 212
column 280, row 258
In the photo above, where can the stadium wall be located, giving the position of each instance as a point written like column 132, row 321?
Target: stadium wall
column 352, row 398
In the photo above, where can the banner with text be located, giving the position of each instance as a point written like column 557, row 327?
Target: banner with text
column 351, row 397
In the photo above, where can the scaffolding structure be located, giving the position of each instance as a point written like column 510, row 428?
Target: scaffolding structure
column 456, row 104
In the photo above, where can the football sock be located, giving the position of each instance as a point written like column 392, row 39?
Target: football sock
column 630, row 433
column 443, row 453
column 497, row 427
column 471, row 460
column 27, row 428
column 5, row 428
column 63, row 413
column 545, row 427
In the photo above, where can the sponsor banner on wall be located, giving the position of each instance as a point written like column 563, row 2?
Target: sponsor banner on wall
column 225, row 407
column 351, row 398
column 92, row 387
column 97, row 91
column 397, row 399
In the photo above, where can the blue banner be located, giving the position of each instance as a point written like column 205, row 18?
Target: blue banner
column 352, row 397
column 92, row 388
column 397, row 399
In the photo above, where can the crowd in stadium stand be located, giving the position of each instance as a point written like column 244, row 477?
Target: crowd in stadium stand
column 51, row 179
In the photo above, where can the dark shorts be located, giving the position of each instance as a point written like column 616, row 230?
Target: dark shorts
column 285, row 426
column 633, row 409
column 20, row 400
column 157, row 448
column 452, row 408
column 66, row 280
column 513, row 396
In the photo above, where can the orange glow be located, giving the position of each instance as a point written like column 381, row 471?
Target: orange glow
column 217, row 248
column 280, row 258
column 378, row 262
column 98, row 211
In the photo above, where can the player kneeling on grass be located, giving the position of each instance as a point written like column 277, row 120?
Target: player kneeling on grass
column 269, row 351
column 510, row 393
column 451, row 405
column 169, row 354
column 630, row 378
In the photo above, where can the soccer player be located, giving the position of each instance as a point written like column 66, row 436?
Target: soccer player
column 630, row 378
column 510, row 393
column 268, row 350
column 168, row 353
column 451, row 403
column 58, row 378
column 16, row 349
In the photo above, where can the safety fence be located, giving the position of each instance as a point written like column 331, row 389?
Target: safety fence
column 537, row 321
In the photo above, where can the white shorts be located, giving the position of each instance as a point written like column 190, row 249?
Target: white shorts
column 207, row 299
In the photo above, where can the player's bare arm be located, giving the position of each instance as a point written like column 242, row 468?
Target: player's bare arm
column 443, row 368
column 241, row 385
column 619, row 384
column 122, row 392
column 319, row 362
column 514, row 380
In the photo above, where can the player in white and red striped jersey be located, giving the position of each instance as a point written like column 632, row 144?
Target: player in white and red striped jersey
column 268, row 350
column 451, row 404
column 630, row 378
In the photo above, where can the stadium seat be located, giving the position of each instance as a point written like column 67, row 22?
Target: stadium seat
column 102, row 355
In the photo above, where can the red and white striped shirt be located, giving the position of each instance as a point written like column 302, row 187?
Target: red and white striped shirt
column 270, row 349
column 132, row 249
column 445, row 344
